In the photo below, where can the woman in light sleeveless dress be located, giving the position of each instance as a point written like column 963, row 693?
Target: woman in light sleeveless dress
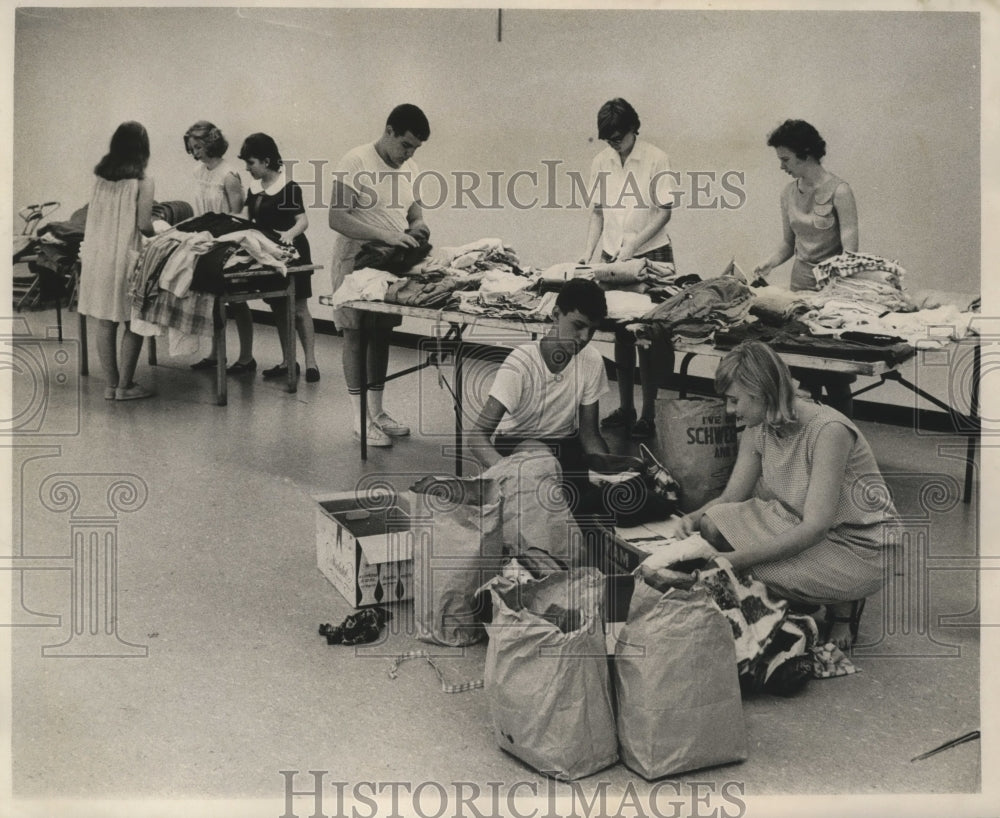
column 218, row 189
column 806, row 509
column 120, row 208
column 819, row 221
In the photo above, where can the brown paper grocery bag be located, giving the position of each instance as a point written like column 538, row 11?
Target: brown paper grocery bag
column 547, row 676
column 697, row 442
column 457, row 547
column 676, row 684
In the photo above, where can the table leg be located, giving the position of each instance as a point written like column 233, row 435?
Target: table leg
column 222, row 397
column 458, row 404
column 84, row 365
column 290, row 334
column 363, row 343
column 151, row 352
column 685, row 363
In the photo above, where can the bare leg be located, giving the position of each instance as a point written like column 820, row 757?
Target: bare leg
column 107, row 350
column 131, row 347
column 306, row 331
column 244, row 329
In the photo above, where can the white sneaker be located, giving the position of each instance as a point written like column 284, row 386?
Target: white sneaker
column 375, row 436
column 391, row 427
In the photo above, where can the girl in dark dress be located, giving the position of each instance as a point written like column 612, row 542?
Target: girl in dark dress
column 277, row 205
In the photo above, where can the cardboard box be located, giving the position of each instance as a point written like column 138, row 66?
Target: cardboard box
column 365, row 548
column 609, row 552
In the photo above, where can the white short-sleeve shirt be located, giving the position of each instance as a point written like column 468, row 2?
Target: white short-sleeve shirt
column 541, row 403
column 630, row 194
column 385, row 195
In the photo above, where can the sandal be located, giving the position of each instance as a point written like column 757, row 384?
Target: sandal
column 853, row 621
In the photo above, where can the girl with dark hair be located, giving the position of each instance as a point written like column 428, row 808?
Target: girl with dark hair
column 218, row 189
column 819, row 220
column 120, row 208
column 276, row 203
column 806, row 509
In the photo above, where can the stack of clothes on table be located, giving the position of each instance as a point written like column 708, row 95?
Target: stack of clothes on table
column 181, row 271
column 631, row 287
column 485, row 271
column 698, row 312
column 862, row 312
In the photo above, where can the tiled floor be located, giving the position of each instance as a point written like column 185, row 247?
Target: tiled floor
column 218, row 592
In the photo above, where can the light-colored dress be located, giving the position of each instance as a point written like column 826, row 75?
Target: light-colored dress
column 848, row 563
column 210, row 188
column 813, row 219
column 109, row 250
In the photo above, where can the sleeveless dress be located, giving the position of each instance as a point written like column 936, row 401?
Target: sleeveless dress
column 848, row 563
column 109, row 250
column 813, row 219
column 210, row 190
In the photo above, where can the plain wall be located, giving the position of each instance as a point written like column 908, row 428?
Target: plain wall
column 895, row 94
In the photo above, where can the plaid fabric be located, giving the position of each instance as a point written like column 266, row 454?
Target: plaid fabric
column 191, row 314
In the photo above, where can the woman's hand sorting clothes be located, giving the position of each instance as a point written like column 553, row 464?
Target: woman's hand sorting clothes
column 676, row 564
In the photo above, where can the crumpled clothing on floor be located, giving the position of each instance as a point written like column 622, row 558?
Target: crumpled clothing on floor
column 830, row 661
column 358, row 628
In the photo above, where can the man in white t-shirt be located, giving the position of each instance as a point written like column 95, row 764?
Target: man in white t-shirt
column 374, row 204
column 635, row 198
column 545, row 394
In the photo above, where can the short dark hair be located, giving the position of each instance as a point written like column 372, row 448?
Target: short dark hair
column 616, row 116
column 800, row 138
column 215, row 143
column 127, row 155
column 263, row 147
column 584, row 295
column 407, row 117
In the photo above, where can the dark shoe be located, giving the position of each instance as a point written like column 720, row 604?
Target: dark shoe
column 643, row 429
column 312, row 374
column 205, row 363
column 239, row 369
column 279, row 371
column 619, row 419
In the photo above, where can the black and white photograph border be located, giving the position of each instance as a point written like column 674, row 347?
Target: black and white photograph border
column 162, row 651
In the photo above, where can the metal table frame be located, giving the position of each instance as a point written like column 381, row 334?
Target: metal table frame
column 221, row 387
column 458, row 322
